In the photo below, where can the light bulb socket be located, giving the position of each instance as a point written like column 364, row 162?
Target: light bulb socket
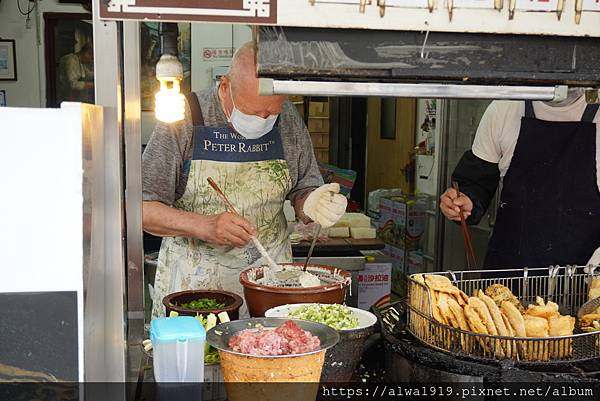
column 168, row 38
column 169, row 68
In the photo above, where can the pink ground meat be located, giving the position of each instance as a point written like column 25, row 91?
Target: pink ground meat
column 287, row 339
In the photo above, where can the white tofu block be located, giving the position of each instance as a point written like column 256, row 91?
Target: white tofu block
column 339, row 232
column 354, row 220
column 363, row 232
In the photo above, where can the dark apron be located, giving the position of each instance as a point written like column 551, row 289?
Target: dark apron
column 549, row 211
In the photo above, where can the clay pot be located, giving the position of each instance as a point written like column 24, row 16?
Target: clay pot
column 261, row 298
column 232, row 302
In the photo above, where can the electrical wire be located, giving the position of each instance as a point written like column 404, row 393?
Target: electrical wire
column 29, row 10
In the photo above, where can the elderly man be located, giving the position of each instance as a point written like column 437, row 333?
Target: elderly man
column 257, row 149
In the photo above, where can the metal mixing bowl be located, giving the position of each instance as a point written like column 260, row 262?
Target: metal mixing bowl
column 219, row 336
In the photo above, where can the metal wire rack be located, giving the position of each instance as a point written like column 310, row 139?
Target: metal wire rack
column 566, row 286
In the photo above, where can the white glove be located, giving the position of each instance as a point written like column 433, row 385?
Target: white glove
column 325, row 205
column 595, row 259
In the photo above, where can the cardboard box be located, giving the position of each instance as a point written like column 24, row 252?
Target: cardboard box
column 374, row 282
column 398, row 270
column 402, row 221
column 318, row 109
column 320, row 139
column 318, row 124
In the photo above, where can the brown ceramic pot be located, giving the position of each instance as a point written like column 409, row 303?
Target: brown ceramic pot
column 232, row 302
column 260, row 298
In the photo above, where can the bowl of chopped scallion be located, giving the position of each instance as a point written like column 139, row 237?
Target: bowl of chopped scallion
column 203, row 303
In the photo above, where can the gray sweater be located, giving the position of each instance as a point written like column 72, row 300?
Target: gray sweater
column 163, row 175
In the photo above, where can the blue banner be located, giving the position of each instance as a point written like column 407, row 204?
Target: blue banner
column 224, row 144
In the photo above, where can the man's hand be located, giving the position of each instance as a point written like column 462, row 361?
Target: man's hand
column 325, row 205
column 225, row 229
column 228, row 229
column 451, row 203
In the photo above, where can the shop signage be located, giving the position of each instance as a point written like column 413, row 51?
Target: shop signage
column 214, row 53
column 238, row 11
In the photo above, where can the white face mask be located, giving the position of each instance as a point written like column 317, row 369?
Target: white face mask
column 249, row 126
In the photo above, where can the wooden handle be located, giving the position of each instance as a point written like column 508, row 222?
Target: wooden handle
column 231, row 209
column 228, row 204
column 469, row 250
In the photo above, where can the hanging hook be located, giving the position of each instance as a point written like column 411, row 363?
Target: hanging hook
column 423, row 54
column 578, row 10
column 559, row 8
column 512, row 4
column 361, row 6
column 381, row 4
column 430, row 5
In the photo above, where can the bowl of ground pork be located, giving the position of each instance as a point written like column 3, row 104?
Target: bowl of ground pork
column 272, row 350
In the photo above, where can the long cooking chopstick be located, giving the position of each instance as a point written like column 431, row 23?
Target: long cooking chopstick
column 469, row 251
column 231, row 209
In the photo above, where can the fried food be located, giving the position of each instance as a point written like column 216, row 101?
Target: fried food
column 535, row 326
column 500, row 293
column 445, row 310
column 458, row 313
column 484, row 314
column 495, row 313
column 514, row 317
column 474, row 320
column 594, row 288
column 542, row 309
column 561, row 326
column 589, row 319
column 509, row 327
column 460, row 298
column 441, row 284
column 499, row 322
column 436, row 311
column 476, row 325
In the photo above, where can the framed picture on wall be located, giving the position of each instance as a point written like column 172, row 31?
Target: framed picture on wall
column 69, row 58
column 150, row 54
column 8, row 60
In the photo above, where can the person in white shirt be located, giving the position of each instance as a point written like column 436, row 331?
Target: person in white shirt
column 547, row 155
column 76, row 76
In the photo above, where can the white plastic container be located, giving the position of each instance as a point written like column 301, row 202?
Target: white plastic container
column 178, row 344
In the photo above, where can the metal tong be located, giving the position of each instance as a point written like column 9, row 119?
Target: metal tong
column 231, row 209
column 312, row 246
column 469, row 251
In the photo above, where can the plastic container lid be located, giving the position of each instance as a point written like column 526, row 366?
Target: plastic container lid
column 178, row 328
